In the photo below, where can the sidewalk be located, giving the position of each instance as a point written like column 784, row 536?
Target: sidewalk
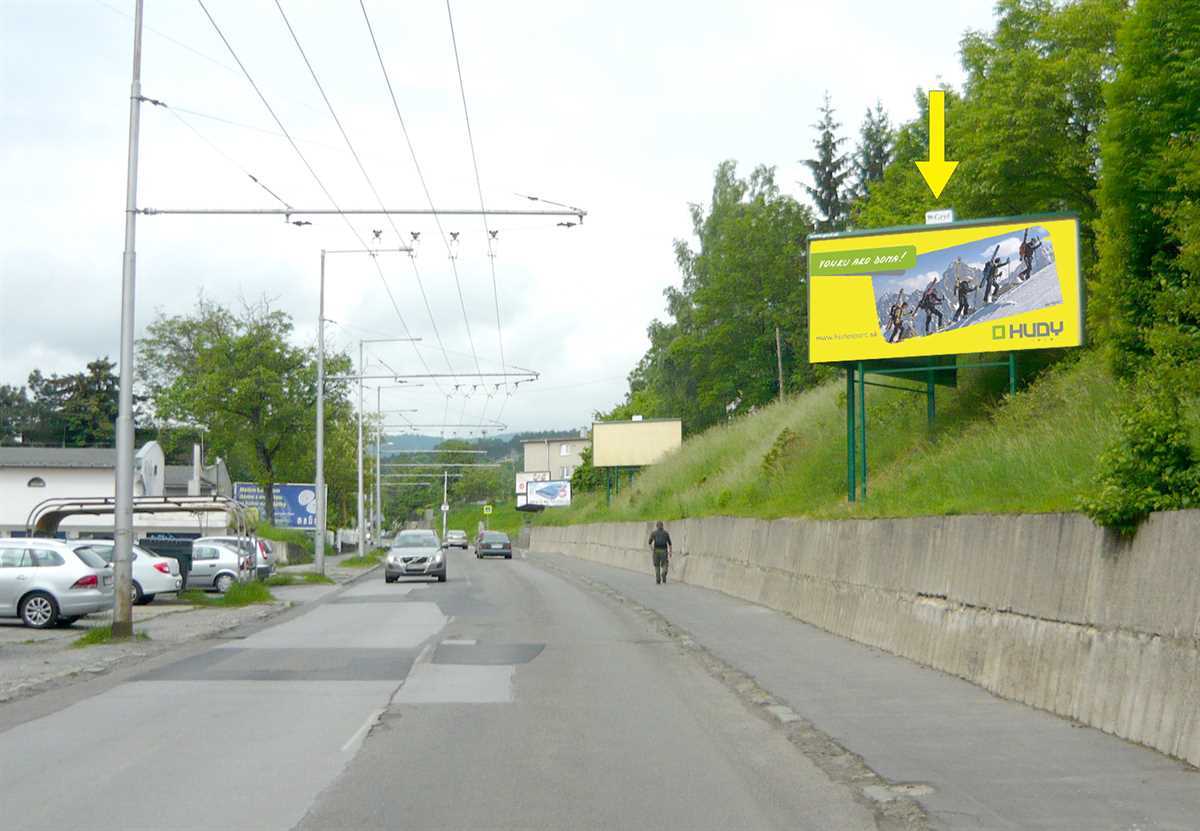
column 35, row 660
column 333, row 568
column 975, row 761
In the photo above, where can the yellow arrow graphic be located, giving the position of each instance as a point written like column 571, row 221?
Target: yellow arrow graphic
column 937, row 171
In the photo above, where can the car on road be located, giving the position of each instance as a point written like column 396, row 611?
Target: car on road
column 415, row 553
column 457, row 539
column 46, row 582
column 493, row 544
column 152, row 574
column 263, row 563
column 218, row 565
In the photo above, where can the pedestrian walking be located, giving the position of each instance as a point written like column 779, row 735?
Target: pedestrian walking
column 660, row 550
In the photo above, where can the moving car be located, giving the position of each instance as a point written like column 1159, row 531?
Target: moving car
column 263, row 563
column 217, row 565
column 457, row 539
column 152, row 574
column 46, row 583
column 493, row 544
column 415, row 553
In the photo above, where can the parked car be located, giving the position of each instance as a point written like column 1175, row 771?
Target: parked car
column 415, row 553
column 457, row 539
column 46, row 583
column 263, row 563
column 217, row 565
column 493, row 544
column 152, row 574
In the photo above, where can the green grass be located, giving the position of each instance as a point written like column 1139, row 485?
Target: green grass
column 287, row 578
column 102, row 635
column 989, row 452
column 371, row 558
column 239, row 594
column 300, row 543
column 504, row 517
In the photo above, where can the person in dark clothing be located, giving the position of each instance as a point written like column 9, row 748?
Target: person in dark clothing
column 896, row 317
column 991, row 277
column 930, row 301
column 660, row 549
column 1026, row 253
column 963, row 289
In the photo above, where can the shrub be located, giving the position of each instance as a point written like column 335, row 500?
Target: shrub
column 1150, row 467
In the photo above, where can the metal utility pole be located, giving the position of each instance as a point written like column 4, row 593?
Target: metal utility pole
column 122, row 624
column 378, row 465
column 779, row 361
column 445, row 502
column 319, row 534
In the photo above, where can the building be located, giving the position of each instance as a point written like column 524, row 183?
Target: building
column 30, row 475
column 559, row 456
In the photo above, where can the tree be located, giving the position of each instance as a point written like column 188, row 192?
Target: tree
column 16, row 414
column 240, row 378
column 76, row 410
column 586, row 477
column 1150, row 195
column 830, row 169
column 745, row 276
column 874, row 151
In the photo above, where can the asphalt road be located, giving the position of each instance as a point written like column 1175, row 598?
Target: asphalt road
column 509, row 697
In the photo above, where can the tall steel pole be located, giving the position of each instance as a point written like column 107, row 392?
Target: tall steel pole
column 445, row 501
column 378, row 461
column 362, row 550
column 319, row 535
column 122, row 625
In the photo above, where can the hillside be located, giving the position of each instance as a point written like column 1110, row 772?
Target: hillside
column 1035, row 452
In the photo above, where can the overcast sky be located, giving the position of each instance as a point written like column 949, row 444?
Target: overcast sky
column 621, row 108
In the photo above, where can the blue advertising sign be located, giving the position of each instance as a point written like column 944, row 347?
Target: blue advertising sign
column 295, row 504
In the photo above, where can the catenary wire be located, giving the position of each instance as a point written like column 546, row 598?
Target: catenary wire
column 478, row 182
column 227, row 157
column 361, row 167
column 311, row 171
column 424, row 185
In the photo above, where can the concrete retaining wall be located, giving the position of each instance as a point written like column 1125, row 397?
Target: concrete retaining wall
column 1044, row 609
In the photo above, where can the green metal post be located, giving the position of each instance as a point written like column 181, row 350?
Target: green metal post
column 862, row 417
column 930, row 400
column 608, row 486
column 1012, row 373
column 851, row 437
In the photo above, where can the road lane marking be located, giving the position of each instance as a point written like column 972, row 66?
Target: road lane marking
column 453, row 642
column 366, row 727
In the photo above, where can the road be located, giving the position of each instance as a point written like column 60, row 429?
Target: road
column 510, row 697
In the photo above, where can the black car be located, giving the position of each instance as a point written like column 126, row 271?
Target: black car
column 493, row 544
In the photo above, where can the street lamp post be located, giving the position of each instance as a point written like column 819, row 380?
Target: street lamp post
column 319, row 534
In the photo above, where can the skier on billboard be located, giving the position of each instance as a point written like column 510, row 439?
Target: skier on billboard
column 896, row 315
column 1025, row 252
column 929, row 303
column 963, row 290
column 991, row 274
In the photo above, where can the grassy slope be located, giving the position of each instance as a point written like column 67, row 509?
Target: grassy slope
column 504, row 518
column 989, row 453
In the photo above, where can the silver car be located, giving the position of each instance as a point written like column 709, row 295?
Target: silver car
column 152, row 574
column 216, row 565
column 260, row 549
column 44, row 582
column 415, row 553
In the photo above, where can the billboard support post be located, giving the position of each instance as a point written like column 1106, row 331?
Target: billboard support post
column 851, row 438
column 930, row 399
column 862, row 416
column 1012, row 373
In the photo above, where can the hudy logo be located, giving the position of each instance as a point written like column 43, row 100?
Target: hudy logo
column 1041, row 329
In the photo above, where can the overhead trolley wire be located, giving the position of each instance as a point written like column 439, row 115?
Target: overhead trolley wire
column 478, row 183
column 362, row 169
column 312, row 172
column 424, row 185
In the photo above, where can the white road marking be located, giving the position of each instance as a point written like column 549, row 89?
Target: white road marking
column 362, row 731
column 457, row 684
column 463, row 642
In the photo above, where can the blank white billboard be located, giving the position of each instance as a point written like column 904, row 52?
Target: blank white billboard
column 634, row 443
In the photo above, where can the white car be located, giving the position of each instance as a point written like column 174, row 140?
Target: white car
column 152, row 574
column 46, row 583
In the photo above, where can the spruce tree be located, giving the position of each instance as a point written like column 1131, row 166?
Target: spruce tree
column 830, row 169
column 875, row 149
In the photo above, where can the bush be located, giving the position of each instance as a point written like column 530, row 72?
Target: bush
column 1150, row 467
column 301, row 549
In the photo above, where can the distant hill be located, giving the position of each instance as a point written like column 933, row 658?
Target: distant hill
column 392, row 444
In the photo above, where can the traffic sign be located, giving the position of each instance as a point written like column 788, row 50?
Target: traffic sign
column 487, row 509
column 445, row 507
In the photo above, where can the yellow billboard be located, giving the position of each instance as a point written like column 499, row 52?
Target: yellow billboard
column 634, row 443
column 992, row 285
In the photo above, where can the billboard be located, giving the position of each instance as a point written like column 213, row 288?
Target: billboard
column 993, row 285
column 295, row 504
column 634, row 443
column 549, row 494
column 523, row 479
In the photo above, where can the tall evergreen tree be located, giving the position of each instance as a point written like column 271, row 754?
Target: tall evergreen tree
column 876, row 145
column 830, row 169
